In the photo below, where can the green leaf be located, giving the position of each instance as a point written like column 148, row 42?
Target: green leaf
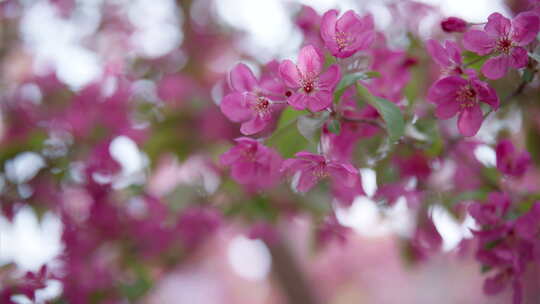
column 334, row 126
column 310, row 125
column 351, row 79
column 528, row 75
column 287, row 139
column 473, row 60
column 390, row 113
column 287, row 116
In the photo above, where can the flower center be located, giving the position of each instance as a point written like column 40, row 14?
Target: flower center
column 466, row 97
column 308, row 85
column 320, row 170
column 504, row 45
column 262, row 107
column 342, row 40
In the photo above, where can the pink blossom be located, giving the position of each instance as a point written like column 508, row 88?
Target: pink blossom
column 251, row 102
column 195, row 224
column 314, row 167
column 505, row 245
column 454, row 24
column 454, row 95
column 447, row 57
column 253, row 164
column 509, row 161
column 312, row 89
column 504, row 39
column 348, row 34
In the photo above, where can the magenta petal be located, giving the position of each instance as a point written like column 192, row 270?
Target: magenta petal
column 242, row 79
column 341, row 175
column 519, row 57
column 309, row 61
column 447, row 109
column 478, row 42
column 310, row 156
column 496, row 67
column 319, row 101
column 298, row 101
column 243, row 171
column 348, row 22
column 453, row 51
column 289, row 74
column 445, row 90
column 486, row 93
column 235, row 108
column 253, row 126
column 329, row 79
column 306, row 181
column 438, row 53
column 230, row 157
column 525, row 28
column 498, row 25
column 470, row 120
column 495, row 284
column 362, row 41
column 328, row 26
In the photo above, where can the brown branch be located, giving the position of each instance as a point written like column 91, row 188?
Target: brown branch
column 289, row 275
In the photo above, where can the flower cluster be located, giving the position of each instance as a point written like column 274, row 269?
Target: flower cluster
column 174, row 158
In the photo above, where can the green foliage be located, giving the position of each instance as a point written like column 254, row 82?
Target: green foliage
column 351, row 79
column 287, row 140
column 390, row 113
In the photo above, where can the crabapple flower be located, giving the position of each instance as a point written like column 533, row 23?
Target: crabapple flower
column 253, row 164
column 447, row 57
column 312, row 89
column 314, row 167
column 348, row 34
column 506, row 245
column 454, row 25
column 454, row 95
column 251, row 101
column 509, row 161
column 505, row 40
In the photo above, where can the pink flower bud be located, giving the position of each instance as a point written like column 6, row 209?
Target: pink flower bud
column 454, row 24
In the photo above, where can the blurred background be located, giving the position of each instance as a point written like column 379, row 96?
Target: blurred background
column 176, row 51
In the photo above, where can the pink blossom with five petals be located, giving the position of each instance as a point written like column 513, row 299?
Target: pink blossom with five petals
column 312, row 88
column 505, row 39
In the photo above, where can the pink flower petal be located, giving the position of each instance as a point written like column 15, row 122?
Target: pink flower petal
column 438, row 53
column 309, row 61
column 298, row 101
column 242, row 79
column 234, row 107
column 306, row 181
column 289, row 74
column 496, row 67
column 525, row 28
column 498, row 26
column 519, row 58
column 445, row 89
column 243, row 171
column 478, row 42
column 253, row 126
column 328, row 27
column 453, row 51
column 470, row 120
column 486, row 93
column 310, row 156
column 329, row 79
column 348, row 22
column 447, row 109
column 319, row 101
